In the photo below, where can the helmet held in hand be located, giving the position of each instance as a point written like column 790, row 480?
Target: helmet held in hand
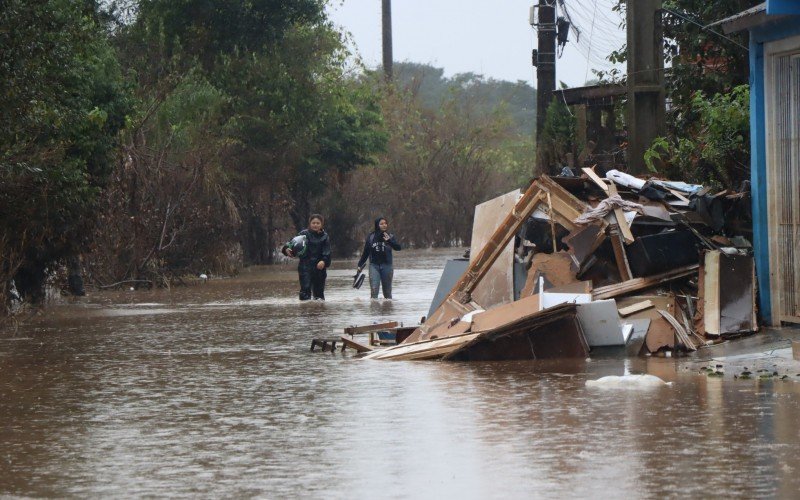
column 298, row 245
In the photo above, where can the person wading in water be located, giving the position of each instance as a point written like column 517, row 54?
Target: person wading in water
column 378, row 248
column 313, row 247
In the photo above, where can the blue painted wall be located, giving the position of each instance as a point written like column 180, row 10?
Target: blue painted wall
column 783, row 7
column 759, row 35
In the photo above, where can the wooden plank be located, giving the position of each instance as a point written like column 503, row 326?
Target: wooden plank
column 354, row 330
column 678, row 195
column 347, row 342
column 481, row 264
column 506, row 313
column 617, row 289
column 565, row 207
column 595, row 178
column 624, row 228
column 711, row 293
column 620, row 256
column 639, row 306
column 665, row 302
column 424, row 349
column 619, row 214
column 563, row 198
column 497, row 285
column 449, row 310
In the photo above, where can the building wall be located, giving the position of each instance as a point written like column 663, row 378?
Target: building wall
column 783, row 6
column 768, row 32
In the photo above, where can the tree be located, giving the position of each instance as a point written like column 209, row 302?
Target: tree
column 715, row 148
column 64, row 100
column 285, row 115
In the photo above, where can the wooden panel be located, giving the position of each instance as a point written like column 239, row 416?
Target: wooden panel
column 494, row 247
column 782, row 84
column 620, row 256
column 354, row 330
column 497, row 286
column 636, row 284
column 424, row 349
column 557, row 269
column 506, row 313
column 711, row 293
column 446, row 313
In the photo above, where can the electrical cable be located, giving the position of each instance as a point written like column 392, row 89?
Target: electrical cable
column 706, row 27
column 591, row 33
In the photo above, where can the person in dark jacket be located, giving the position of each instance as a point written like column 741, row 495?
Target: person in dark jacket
column 315, row 258
column 378, row 248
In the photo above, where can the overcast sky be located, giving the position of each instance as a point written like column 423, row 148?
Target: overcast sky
column 490, row 37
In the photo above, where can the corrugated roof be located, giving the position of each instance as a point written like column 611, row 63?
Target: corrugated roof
column 742, row 20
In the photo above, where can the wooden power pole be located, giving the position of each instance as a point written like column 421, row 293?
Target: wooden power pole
column 646, row 102
column 387, row 38
column 544, row 58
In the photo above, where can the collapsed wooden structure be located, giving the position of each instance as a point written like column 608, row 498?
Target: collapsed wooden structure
column 602, row 282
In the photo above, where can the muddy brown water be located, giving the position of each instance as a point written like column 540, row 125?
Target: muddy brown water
column 211, row 391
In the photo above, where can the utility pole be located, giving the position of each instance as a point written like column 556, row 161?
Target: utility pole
column 387, row 39
column 646, row 101
column 544, row 58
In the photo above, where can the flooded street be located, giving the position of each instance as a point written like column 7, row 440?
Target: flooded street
column 211, row 391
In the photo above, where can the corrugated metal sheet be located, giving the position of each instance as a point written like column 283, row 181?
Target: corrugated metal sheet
column 787, row 187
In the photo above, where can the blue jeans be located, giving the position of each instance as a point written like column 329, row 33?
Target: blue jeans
column 380, row 274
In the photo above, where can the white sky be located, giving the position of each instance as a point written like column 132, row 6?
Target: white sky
column 489, row 37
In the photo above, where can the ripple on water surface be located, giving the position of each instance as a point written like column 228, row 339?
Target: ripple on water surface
column 211, row 390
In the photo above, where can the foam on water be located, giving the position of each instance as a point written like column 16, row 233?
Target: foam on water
column 627, row 382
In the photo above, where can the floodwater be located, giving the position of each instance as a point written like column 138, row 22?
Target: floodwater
column 211, row 391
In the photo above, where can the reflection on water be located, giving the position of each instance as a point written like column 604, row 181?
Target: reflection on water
column 211, row 391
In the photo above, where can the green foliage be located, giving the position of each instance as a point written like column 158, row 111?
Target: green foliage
column 715, row 149
column 558, row 134
column 701, row 60
column 653, row 154
column 63, row 101
column 207, row 29
column 164, row 137
column 250, row 97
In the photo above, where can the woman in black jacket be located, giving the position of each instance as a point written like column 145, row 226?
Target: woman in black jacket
column 378, row 248
column 315, row 258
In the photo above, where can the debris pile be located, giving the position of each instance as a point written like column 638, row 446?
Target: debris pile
column 579, row 263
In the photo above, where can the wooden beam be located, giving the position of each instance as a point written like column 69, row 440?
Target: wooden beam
column 619, row 214
column 347, row 342
column 354, row 330
column 611, row 291
column 496, row 244
column 595, row 178
column 619, row 255
column 678, row 195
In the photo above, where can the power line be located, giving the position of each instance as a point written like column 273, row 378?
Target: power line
column 706, row 28
column 591, row 32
